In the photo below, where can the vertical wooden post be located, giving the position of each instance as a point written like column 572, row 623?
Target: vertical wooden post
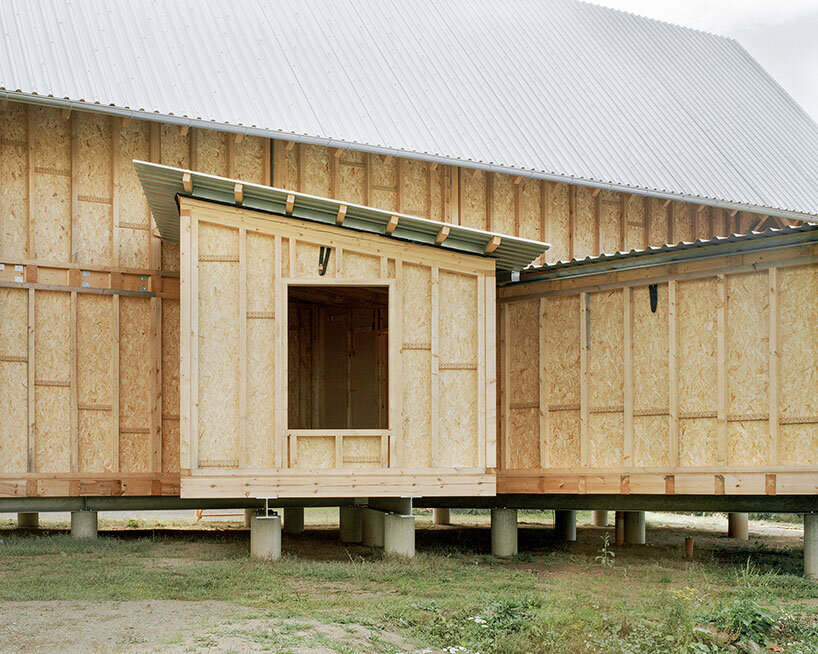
column 193, row 148
column 266, row 162
column 185, row 301
column 243, row 348
column 368, row 179
column 280, row 165
column 32, row 407
column 489, row 201
column 545, row 438
column 230, row 147
column 772, row 386
column 481, row 371
column 584, row 346
column 399, row 194
column 673, row 372
column 194, row 342
column 300, row 148
column 627, row 321
column 115, row 127
column 598, row 223
column 31, row 250
column 623, row 220
column 397, row 456
column 505, row 395
column 435, row 362
column 458, row 183
column 646, row 221
column 721, row 367
column 156, row 384
column 670, row 216
column 74, row 451
column 156, row 156
column 74, row 186
column 491, row 372
column 572, row 220
column 280, row 437
column 517, row 191
column 545, row 215
column 115, row 382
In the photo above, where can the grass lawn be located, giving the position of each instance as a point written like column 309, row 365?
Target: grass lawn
column 189, row 586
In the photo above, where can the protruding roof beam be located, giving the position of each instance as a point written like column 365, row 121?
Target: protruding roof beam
column 443, row 234
column 238, row 193
column 184, row 129
column 342, row 213
column 187, row 182
column 493, row 244
column 290, row 204
column 390, row 226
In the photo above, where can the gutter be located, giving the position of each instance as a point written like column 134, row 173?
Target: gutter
column 75, row 105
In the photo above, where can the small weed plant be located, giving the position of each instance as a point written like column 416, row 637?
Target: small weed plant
column 606, row 555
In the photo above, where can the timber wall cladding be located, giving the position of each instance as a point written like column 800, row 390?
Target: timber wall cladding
column 235, row 366
column 713, row 392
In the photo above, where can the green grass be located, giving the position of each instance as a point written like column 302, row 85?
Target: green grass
column 550, row 599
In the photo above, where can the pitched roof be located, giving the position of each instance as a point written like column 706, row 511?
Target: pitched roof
column 162, row 184
column 557, row 89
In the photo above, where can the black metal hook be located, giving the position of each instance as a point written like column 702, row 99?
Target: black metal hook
column 654, row 297
column 323, row 260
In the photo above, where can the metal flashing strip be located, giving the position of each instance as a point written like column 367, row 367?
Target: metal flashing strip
column 161, row 185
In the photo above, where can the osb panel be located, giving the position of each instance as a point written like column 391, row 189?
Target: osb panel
column 530, row 215
column 458, row 419
column 634, row 222
column 170, row 386
column 316, row 452
column 798, row 352
column 415, row 189
column 361, row 452
column 609, row 221
column 306, row 260
column 134, row 384
column 650, row 441
column 473, row 198
column 13, row 181
column 561, row 356
column 174, row 147
column 523, row 439
column 248, row 159
column 260, row 272
column 564, row 439
column 650, row 349
column 170, row 256
column 359, row 266
column 95, row 322
column 684, row 227
column 697, row 352
column 748, row 443
column 351, row 173
column 315, row 169
column 14, row 425
column 606, row 439
column 798, row 444
column 52, row 325
column 96, row 451
column 14, row 325
column 260, row 393
column 93, row 179
column 384, row 179
column 438, row 193
column 417, row 304
column 698, row 442
column 584, row 241
column 702, row 219
column 134, row 244
column 502, row 205
column 417, row 411
column 293, row 168
column 211, row 157
column 657, row 221
column 53, row 437
column 218, row 357
column 524, row 350
column 558, row 223
column 52, row 185
column 458, row 318
column 605, row 357
column 218, row 241
column 748, row 323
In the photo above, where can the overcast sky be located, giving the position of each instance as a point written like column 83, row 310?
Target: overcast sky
column 782, row 35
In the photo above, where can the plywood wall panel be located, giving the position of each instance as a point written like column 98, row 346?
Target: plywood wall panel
column 384, row 179
column 359, row 266
column 211, row 155
column 438, row 193
column 307, row 256
column 684, row 224
column 657, row 222
column 13, row 380
column 134, row 384
column 134, row 216
column 523, row 437
column 473, row 198
column 458, row 306
column 315, row 166
column 564, row 439
column 174, row 147
column 13, row 181
column 417, row 302
column 609, row 221
column 502, row 204
column 415, row 190
column 170, row 385
column 52, row 356
column 585, row 219
column 352, row 177
column 458, row 419
column 559, row 224
column 530, row 205
column 417, row 416
column 248, row 159
column 93, row 179
column 316, row 452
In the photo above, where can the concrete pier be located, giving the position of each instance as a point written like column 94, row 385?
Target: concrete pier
column 84, row 524
column 372, row 527
column 738, row 526
column 504, row 532
column 599, row 518
column 349, row 523
column 811, row 545
column 441, row 517
column 634, row 527
column 399, row 534
column 565, row 525
column 293, row 520
column 265, row 537
column 28, row 521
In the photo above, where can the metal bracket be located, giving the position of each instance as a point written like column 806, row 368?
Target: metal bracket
column 323, row 260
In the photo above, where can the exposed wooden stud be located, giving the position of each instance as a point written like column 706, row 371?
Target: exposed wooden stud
column 342, row 214
column 721, row 368
column 392, row 224
column 572, row 221
column 584, row 344
column 491, row 371
column 289, row 145
column 65, row 113
column 31, row 251
column 442, row 234
column 280, row 168
column 623, row 221
column 627, row 321
column 194, row 341
column 493, row 244
column 281, row 320
column 115, row 208
column 397, row 456
column 74, row 185
column 238, row 137
column 773, row 398
column 155, row 157
column 187, row 182
column 74, row 436
column 646, row 218
column 435, row 363
column 489, row 201
column 266, row 162
column 288, row 209
column 185, row 343
column 193, row 149
column 156, row 383
column 481, row 372
column 238, row 193
column 400, row 199
column 115, row 417
column 543, row 377
column 230, row 147
column 184, row 129
column 242, row 435
column 31, row 458
column 598, row 222
column 673, row 372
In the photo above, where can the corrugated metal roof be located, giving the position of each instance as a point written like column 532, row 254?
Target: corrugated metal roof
column 661, row 255
column 162, row 184
column 557, row 89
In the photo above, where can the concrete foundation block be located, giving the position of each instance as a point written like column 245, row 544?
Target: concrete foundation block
column 634, row 527
column 599, row 518
column 294, row 520
column 441, row 517
column 28, row 521
column 811, row 545
column 372, row 527
column 738, row 526
column 350, row 524
column 565, row 525
column 399, row 534
column 84, row 524
column 265, row 537
column 504, row 532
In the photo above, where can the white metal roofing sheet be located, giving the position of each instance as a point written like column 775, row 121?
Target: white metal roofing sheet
column 558, row 89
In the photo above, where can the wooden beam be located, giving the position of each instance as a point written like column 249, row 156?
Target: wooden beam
column 721, row 368
column 115, row 208
column 627, row 319
column 238, row 137
column 74, row 434
column 772, row 384
column 65, row 113
column 266, row 162
column 673, row 372
column 184, row 129
column 238, row 193
column 32, row 408
column 543, row 376
column 156, row 384
column 187, row 182
column 493, row 244
column 288, row 209
column 584, row 344
column 242, row 435
column 342, row 214
column 435, row 372
column 392, row 224
column 115, row 383
column 442, row 235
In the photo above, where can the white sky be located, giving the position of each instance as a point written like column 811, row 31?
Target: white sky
column 782, row 35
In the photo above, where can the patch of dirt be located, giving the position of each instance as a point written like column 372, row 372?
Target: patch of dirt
column 176, row 627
